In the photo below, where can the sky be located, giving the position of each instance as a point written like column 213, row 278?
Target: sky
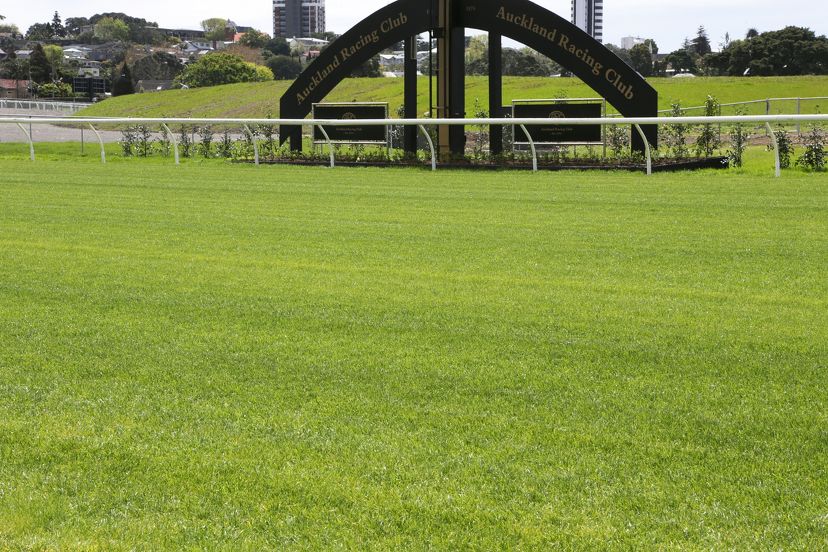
column 667, row 22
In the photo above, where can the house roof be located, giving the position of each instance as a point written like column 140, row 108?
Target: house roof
column 11, row 84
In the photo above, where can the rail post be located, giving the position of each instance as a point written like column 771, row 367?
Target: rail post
column 255, row 144
column 775, row 143
column 100, row 141
column 532, row 147
column 330, row 145
column 29, row 139
column 174, row 142
column 430, row 147
column 647, row 150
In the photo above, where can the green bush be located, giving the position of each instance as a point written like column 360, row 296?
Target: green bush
column 220, row 68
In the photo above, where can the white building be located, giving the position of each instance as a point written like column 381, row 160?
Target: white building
column 588, row 15
column 628, row 42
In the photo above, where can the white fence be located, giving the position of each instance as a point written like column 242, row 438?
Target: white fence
column 635, row 122
column 41, row 105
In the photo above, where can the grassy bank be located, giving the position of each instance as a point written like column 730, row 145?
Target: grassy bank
column 259, row 99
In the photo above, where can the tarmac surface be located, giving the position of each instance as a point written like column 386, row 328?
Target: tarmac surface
column 49, row 133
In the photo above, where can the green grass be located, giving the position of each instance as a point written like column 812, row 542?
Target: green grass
column 261, row 99
column 229, row 357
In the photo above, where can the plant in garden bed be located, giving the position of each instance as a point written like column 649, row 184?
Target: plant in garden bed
column 224, row 147
column 675, row 135
column 813, row 157
column 128, row 141
column 268, row 133
column 144, row 140
column 785, row 146
column 185, row 142
column 709, row 140
column 618, row 140
column 205, row 146
column 739, row 137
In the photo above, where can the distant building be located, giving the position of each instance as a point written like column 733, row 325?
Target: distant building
column 10, row 88
column 588, row 15
column 628, row 42
column 298, row 18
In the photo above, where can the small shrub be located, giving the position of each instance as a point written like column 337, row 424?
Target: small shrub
column 813, row 158
column 185, row 142
column 785, row 145
column 709, row 140
column 268, row 133
column 224, row 148
column 144, row 140
column 675, row 135
column 618, row 140
column 205, row 146
column 164, row 144
column 128, row 141
column 739, row 137
column 481, row 132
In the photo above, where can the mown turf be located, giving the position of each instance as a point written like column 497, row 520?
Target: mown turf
column 220, row 356
column 262, row 99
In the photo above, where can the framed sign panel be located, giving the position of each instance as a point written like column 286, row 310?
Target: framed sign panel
column 559, row 133
column 351, row 134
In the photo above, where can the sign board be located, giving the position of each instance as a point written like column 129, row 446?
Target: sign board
column 351, row 134
column 560, row 133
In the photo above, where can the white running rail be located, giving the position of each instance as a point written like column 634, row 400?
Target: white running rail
column 635, row 122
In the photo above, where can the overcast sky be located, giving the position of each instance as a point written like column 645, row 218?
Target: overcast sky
column 662, row 20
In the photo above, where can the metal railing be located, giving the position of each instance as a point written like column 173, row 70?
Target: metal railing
column 767, row 103
column 635, row 122
column 41, row 105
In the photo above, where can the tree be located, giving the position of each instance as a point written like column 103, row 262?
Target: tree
column 369, row 69
column 477, row 56
column 141, row 31
column 123, row 84
column 620, row 52
column 751, row 33
column 39, row 65
column 109, row 28
column 57, row 26
column 74, row 25
column 682, row 61
column 215, row 29
column 788, row 51
column 642, row 59
column 520, row 63
column 54, row 54
column 652, row 46
column 284, row 67
column 701, row 44
column 40, row 31
column 9, row 28
column 277, row 47
column 254, row 39
column 220, row 68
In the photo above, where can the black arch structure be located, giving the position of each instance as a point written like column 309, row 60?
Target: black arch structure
column 520, row 20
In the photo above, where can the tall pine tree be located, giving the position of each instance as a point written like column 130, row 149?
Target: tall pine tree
column 701, row 44
column 57, row 26
column 39, row 65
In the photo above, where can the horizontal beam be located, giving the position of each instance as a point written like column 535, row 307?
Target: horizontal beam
column 615, row 121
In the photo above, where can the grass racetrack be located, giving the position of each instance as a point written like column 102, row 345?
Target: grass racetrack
column 225, row 356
